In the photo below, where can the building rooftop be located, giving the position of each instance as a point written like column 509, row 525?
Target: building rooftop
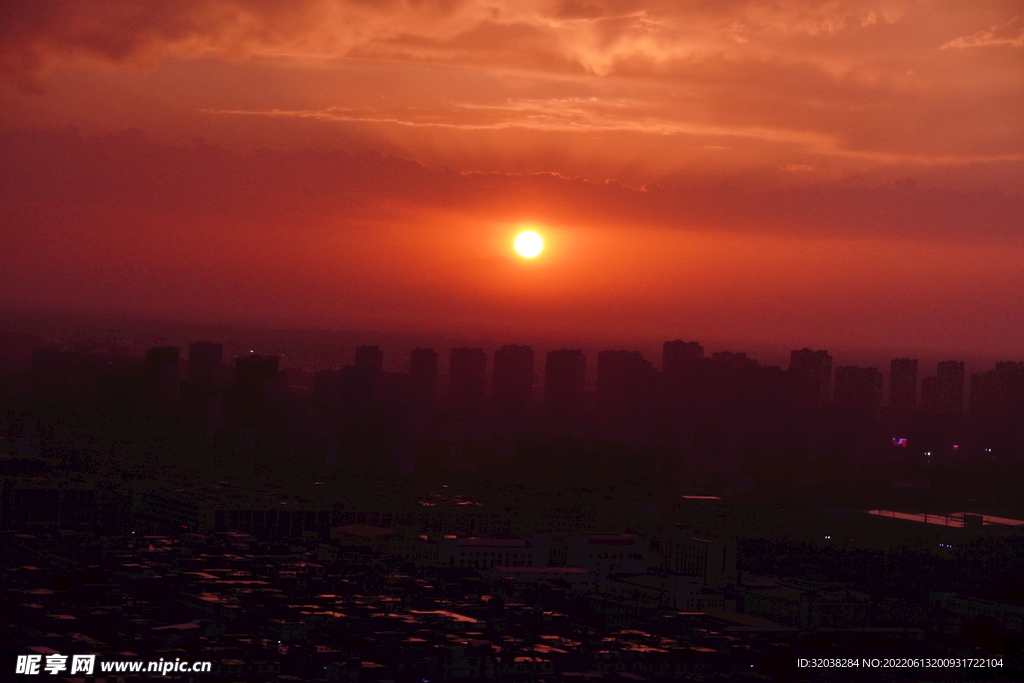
column 492, row 543
column 362, row 530
column 612, row 539
column 953, row 519
column 541, row 570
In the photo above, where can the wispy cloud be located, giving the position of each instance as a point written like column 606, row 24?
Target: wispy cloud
column 1010, row 33
column 594, row 115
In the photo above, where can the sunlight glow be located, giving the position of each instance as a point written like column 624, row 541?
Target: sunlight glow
column 528, row 244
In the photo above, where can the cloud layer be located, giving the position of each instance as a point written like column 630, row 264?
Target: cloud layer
column 839, row 87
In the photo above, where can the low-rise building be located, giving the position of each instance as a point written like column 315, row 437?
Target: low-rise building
column 606, row 553
column 577, row 578
column 656, row 589
column 1005, row 615
column 711, row 559
column 476, row 553
column 804, row 604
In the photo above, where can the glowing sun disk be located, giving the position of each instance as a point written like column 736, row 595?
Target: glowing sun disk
column 528, row 244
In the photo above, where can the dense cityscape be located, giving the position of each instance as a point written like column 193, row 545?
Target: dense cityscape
column 495, row 517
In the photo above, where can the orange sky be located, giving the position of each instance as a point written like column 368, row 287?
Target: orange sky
column 844, row 173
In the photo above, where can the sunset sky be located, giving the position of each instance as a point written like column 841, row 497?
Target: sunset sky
column 848, row 172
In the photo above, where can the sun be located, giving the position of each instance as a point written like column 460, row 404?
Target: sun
column 528, row 244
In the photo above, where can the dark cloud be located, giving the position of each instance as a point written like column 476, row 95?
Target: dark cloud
column 35, row 35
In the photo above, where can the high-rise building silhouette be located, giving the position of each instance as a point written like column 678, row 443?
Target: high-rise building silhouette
column 467, row 374
column 998, row 392
column 370, row 359
column 512, row 384
column 685, row 378
column 565, row 373
column 359, row 381
column 423, row 376
column 930, row 394
column 325, row 387
column 677, row 354
column 903, row 384
column 951, row 386
column 253, row 375
column 161, row 375
column 205, row 363
column 859, row 388
column 253, row 372
column 625, row 387
column 201, row 400
column 810, row 374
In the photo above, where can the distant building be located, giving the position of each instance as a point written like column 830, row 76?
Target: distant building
column 930, row 394
column 712, row 560
column 998, row 392
column 903, row 384
column 467, row 375
column 607, row 553
column 944, row 393
column 161, row 375
column 263, row 513
column 34, row 504
column 370, row 358
column 477, row 553
column 810, row 374
column 397, row 430
column 938, row 533
column 578, row 578
column 564, row 385
column 423, row 376
column 512, row 385
column 253, row 378
column 358, row 382
column 676, row 354
column 205, row 363
column 314, row 452
column 686, row 378
column 662, row 589
column 858, row 388
column 1007, row 616
column 625, row 387
column 805, row 604
column 363, row 536
column 951, row 386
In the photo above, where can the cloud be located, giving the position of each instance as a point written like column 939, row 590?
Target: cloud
column 599, row 37
column 1011, row 33
column 594, row 115
column 567, row 115
column 34, row 35
column 855, row 80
